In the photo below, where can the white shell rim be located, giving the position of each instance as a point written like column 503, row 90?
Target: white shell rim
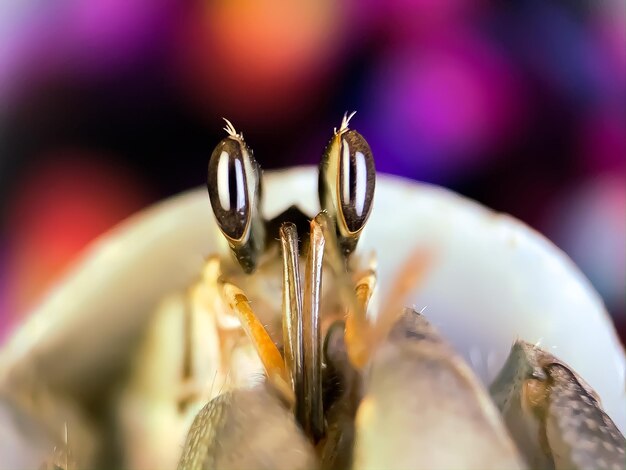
column 104, row 280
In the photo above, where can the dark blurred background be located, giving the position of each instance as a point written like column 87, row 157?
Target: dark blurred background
column 107, row 106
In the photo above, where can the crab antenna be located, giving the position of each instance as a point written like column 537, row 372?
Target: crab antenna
column 230, row 129
column 345, row 122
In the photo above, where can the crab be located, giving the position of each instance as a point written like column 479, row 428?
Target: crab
column 296, row 348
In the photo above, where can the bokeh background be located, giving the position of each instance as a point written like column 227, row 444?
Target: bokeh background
column 107, row 106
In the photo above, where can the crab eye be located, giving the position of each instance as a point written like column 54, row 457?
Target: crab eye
column 347, row 177
column 234, row 184
column 356, row 180
column 229, row 193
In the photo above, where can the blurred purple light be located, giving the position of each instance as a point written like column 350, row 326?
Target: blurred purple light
column 104, row 34
column 589, row 224
column 40, row 40
column 562, row 53
column 438, row 111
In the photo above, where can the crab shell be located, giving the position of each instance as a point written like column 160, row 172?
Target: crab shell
column 492, row 280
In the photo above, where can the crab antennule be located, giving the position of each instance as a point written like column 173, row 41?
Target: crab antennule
column 345, row 122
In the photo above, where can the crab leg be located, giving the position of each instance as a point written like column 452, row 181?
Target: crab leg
column 246, row 429
column 266, row 349
column 431, row 409
column 553, row 415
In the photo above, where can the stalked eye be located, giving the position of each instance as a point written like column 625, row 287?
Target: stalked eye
column 234, row 184
column 357, row 178
column 347, row 178
column 228, row 187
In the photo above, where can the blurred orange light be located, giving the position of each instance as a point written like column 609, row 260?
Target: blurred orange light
column 252, row 58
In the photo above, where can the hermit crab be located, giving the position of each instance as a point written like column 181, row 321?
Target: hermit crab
column 394, row 325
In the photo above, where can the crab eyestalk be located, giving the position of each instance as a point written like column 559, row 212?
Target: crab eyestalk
column 347, row 178
column 234, row 185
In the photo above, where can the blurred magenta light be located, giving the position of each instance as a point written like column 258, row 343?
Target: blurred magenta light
column 436, row 111
column 96, row 38
column 609, row 25
column 102, row 35
column 413, row 19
